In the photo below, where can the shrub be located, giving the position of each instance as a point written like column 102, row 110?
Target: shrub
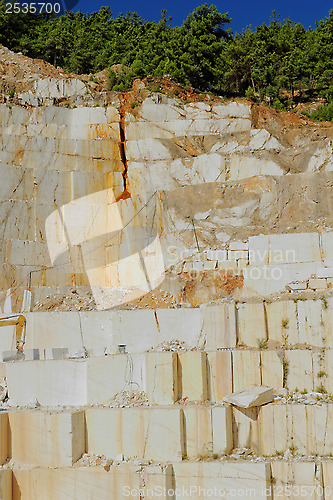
column 305, row 112
column 119, row 88
column 121, row 81
column 323, row 113
column 327, row 93
column 277, row 104
column 112, row 79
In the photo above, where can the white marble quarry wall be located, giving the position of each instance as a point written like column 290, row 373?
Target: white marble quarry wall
column 200, row 143
column 295, row 261
column 270, row 263
column 284, row 323
column 48, row 157
column 231, row 479
column 77, row 330
column 88, row 196
column 203, row 430
column 52, row 88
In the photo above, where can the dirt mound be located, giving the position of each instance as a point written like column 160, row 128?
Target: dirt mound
column 289, row 127
column 18, row 72
column 71, row 301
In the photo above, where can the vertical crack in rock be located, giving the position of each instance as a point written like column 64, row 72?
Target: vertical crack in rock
column 157, row 322
column 122, row 148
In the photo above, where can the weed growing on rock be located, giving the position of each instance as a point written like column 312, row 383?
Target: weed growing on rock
column 285, row 323
column 262, row 343
column 285, row 365
column 321, row 389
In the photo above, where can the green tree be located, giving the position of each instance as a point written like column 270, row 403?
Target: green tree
column 200, row 43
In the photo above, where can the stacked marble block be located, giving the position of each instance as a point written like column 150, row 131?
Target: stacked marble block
column 279, row 344
column 271, row 263
column 45, row 445
column 184, row 436
column 192, row 377
column 217, row 479
column 166, row 377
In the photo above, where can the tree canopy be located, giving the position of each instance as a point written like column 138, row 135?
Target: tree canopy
column 269, row 61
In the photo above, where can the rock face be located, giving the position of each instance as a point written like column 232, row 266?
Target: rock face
column 163, row 206
column 122, row 201
column 32, row 79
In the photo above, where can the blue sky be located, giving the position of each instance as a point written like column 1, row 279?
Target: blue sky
column 243, row 12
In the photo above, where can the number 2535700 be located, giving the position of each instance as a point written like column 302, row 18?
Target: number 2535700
column 32, row 8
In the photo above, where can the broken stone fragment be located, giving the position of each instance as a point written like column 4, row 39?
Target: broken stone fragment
column 3, row 390
column 252, row 396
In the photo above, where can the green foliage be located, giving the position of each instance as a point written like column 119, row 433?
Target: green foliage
column 11, row 93
column 277, row 104
column 137, row 68
column 321, row 388
column 112, row 78
column 284, row 322
column 121, row 80
column 323, row 113
column 198, row 46
column 285, row 367
column 327, row 93
column 273, row 63
column 249, row 93
column 262, row 343
column 293, row 449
